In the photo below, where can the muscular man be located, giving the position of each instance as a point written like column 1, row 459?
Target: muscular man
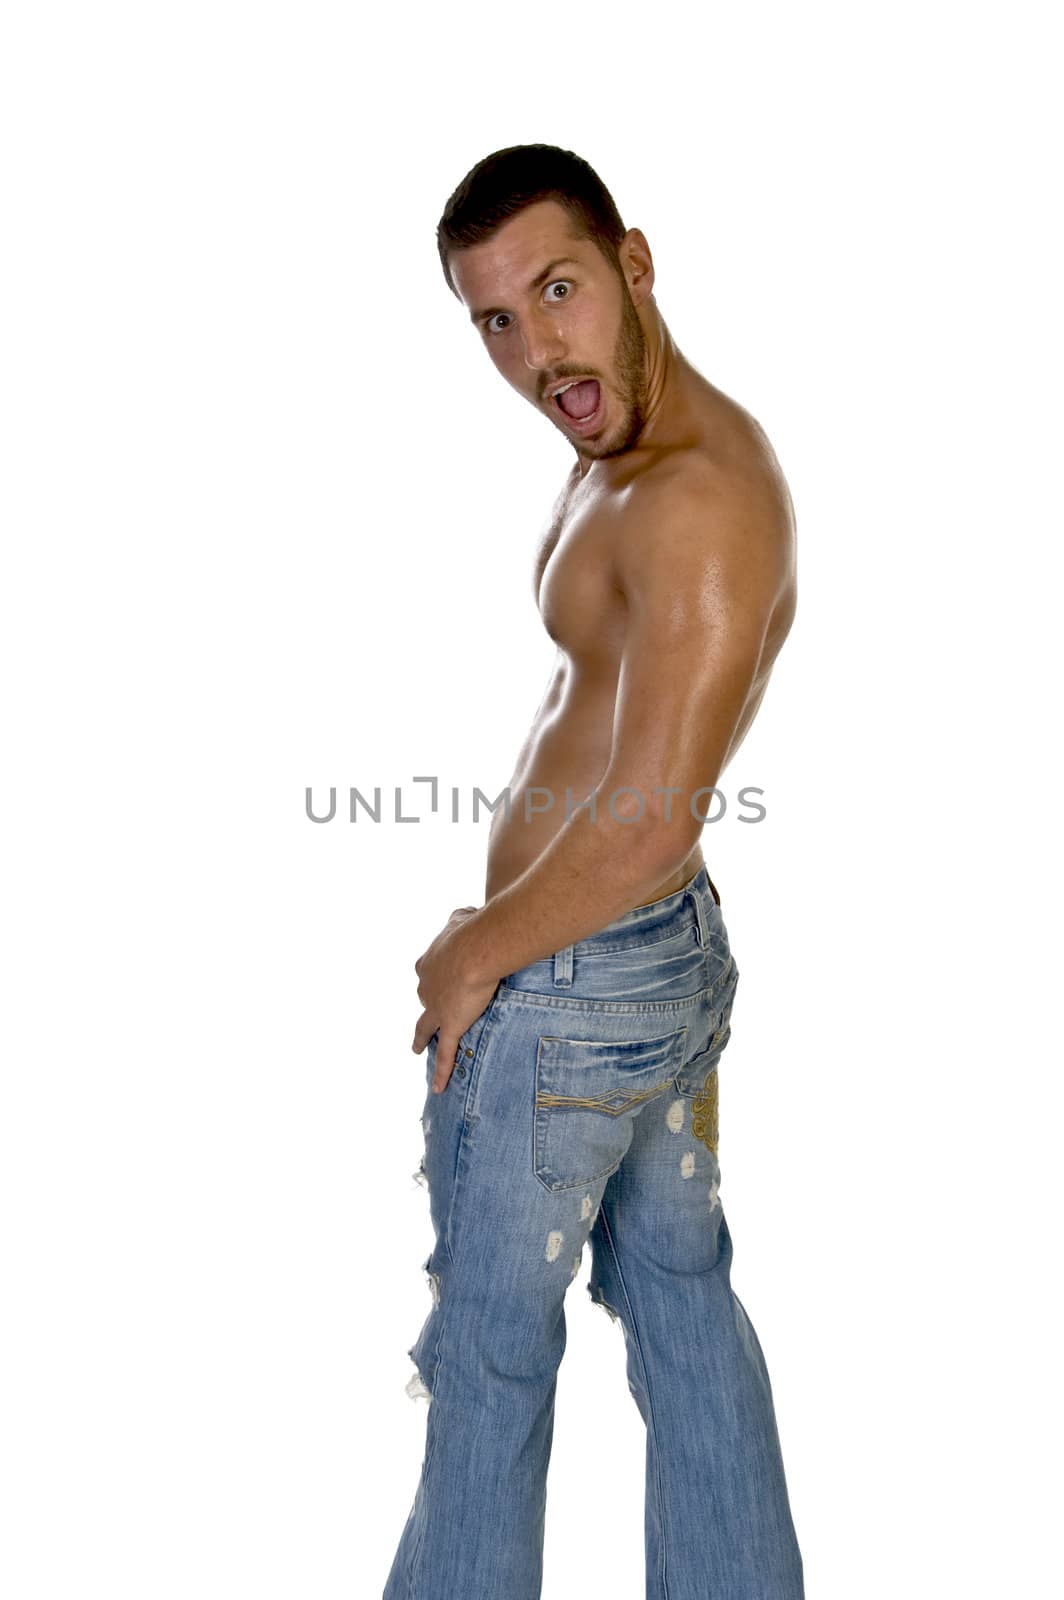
column 575, row 1021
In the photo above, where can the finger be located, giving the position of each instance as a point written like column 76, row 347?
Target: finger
column 446, row 1051
column 423, row 1031
column 442, row 1075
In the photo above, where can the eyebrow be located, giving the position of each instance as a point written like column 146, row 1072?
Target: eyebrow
column 537, row 281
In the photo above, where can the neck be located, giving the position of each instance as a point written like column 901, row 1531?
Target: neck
column 662, row 365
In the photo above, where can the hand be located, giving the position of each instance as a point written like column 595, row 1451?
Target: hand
column 453, row 999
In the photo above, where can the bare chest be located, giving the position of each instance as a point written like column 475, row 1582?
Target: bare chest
column 582, row 609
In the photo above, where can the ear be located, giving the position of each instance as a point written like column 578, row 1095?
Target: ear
column 637, row 264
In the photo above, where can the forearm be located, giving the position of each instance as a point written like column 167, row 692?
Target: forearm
column 590, row 873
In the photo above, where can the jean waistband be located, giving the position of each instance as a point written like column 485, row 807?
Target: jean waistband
column 695, row 904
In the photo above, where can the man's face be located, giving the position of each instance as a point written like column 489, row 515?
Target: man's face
column 550, row 309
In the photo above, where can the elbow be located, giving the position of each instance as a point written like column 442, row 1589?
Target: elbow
column 670, row 844
column 662, row 836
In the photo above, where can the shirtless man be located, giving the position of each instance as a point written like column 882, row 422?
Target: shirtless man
column 585, row 1004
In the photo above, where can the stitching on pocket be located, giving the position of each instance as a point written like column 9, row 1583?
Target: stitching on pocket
column 600, row 1102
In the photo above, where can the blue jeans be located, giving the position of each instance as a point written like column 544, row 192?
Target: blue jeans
column 583, row 1107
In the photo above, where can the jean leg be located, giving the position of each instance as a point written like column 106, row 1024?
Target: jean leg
column 718, row 1520
column 506, row 1251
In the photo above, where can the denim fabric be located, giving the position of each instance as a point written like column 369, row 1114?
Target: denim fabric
column 583, row 1108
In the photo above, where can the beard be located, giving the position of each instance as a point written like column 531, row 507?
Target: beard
column 630, row 365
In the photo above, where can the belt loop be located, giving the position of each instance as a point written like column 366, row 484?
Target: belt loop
column 563, row 967
column 701, row 918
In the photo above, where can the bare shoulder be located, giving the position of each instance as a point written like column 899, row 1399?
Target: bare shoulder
column 708, row 522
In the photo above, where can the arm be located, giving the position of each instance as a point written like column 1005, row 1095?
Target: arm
column 700, row 581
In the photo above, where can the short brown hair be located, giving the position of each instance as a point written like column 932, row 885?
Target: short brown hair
column 504, row 183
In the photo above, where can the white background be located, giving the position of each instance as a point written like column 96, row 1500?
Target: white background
column 269, row 517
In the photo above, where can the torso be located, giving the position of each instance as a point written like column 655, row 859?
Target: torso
column 568, row 744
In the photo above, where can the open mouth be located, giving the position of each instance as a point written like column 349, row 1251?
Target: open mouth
column 580, row 403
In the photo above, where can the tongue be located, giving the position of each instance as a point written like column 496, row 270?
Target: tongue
column 580, row 401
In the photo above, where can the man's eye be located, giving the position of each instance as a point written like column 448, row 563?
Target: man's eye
column 559, row 283
column 492, row 323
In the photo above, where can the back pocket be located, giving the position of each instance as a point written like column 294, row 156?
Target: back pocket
column 587, row 1093
column 693, row 1079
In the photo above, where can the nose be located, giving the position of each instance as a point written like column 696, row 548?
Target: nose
column 543, row 343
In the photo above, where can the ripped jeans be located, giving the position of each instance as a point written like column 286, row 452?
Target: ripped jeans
column 583, row 1107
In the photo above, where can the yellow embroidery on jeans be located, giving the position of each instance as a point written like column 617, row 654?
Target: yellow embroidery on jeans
column 704, row 1113
column 600, row 1102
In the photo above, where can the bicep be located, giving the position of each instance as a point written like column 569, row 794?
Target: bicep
column 697, row 623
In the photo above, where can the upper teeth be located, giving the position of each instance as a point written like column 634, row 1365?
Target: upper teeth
column 565, row 386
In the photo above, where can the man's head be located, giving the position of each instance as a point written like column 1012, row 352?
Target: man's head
column 533, row 245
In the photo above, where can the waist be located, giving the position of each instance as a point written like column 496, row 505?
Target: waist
column 671, row 946
column 654, row 920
